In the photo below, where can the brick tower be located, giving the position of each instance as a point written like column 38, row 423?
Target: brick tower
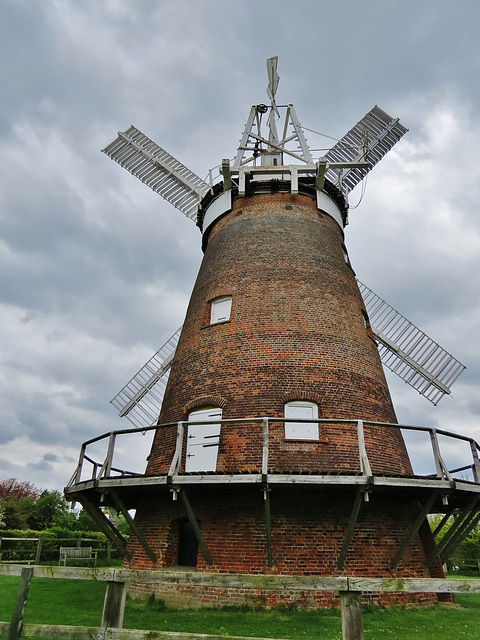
column 276, row 328
column 277, row 449
column 292, row 340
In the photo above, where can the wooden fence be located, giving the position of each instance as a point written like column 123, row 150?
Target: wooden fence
column 33, row 553
column 350, row 591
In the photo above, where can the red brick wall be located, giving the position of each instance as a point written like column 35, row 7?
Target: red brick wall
column 184, row 594
column 308, row 528
column 296, row 330
column 336, row 451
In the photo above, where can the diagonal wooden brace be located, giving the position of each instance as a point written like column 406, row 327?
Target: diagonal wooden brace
column 133, row 526
column 422, row 514
column 349, row 532
column 105, row 525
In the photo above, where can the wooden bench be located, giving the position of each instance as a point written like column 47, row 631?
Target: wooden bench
column 78, row 554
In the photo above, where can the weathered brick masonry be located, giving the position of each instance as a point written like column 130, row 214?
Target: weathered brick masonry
column 297, row 331
column 308, row 530
column 296, row 324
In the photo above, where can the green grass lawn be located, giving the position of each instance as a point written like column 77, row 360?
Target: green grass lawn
column 442, row 622
column 79, row 602
column 52, row 601
column 277, row 623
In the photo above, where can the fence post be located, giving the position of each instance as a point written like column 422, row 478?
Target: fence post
column 107, row 465
column 177, row 456
column 476, row 461
column 265, row 448
column 39, row 550
column 442, row 471
column 16, row 624
column 351, row 612
column 114, row 605
column 78, row 472
column 364, row 462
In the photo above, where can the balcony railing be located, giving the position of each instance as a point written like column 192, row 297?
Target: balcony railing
column 436, row 445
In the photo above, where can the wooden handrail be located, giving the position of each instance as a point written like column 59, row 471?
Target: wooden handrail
column 349, row 588
column 106, row 467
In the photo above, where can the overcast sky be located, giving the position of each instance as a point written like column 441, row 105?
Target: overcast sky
column 96, row 269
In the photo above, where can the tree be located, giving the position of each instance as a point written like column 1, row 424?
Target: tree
column 51, row 510
column 12, row 489
column 24, row 506
column 16, row 513
column 468, row 553
column 17, row 502
column 85, row 522
column 467, row 556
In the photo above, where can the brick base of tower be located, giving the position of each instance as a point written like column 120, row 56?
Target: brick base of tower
column 308, row 529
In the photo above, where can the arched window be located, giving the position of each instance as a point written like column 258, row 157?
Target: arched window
column 304, row 410
column 203, row 439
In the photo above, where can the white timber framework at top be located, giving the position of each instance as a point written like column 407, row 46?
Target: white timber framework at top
column 345, row 164
column 108, row 482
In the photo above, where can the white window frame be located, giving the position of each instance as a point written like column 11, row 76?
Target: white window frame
column 203, row 440
column 220, row 309
column 301, row 430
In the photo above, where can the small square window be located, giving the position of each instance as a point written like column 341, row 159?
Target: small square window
column 220, row 309
column 301, row 430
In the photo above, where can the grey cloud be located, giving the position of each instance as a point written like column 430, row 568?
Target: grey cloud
column 42, row 465
column 97, row 270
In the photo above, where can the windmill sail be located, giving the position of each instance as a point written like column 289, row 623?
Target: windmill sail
column 408, row 351
column 141, row 398
column 370, row 139
column 158, row 169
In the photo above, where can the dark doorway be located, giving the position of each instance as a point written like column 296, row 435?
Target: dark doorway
column 187, row 544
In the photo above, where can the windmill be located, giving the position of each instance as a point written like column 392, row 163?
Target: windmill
column 276, row 447
column 404, row 348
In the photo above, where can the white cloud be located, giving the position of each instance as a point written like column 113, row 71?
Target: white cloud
column 97, row 270
column 26, row 463
column 416, row 241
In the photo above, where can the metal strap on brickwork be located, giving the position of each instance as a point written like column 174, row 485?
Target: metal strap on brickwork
column 408, row 351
